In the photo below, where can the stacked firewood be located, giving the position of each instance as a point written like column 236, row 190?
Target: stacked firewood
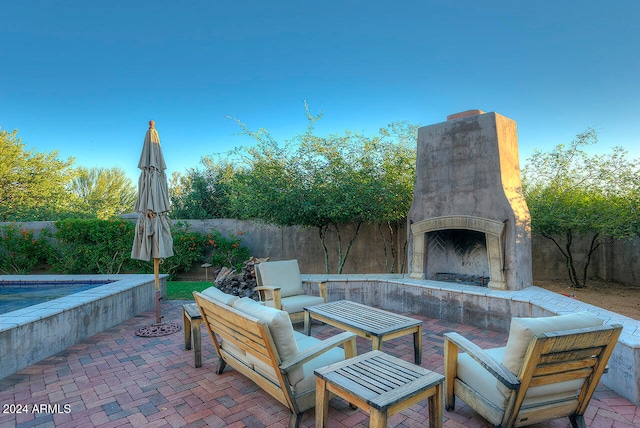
column 239, row 283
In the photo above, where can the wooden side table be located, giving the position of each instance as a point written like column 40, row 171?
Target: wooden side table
column 192, row 320
column 379, row 384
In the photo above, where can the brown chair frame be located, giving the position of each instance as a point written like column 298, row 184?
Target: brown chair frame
column 550, row 358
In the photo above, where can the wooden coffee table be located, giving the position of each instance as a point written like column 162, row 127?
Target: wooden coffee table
column 365, row 321
column 379, row 384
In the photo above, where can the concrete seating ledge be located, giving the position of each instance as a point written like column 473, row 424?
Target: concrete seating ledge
column 486, row 308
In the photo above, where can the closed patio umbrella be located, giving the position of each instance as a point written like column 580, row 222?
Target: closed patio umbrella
column 153, row 234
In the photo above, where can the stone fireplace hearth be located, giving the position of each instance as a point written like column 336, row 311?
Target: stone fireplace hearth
column 469, row 220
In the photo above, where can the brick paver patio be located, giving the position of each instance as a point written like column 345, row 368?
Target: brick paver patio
column 117, row 379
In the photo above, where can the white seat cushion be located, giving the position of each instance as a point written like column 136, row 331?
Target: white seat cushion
column 235, row 350
column 308, row 383
column 478, row 378
column 293, row 304
column 219, row 296
column 263, row 368
column 280, row 328
column 523, row 329
column 284, row 274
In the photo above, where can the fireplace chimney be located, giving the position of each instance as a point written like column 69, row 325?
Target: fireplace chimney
column 468, row 201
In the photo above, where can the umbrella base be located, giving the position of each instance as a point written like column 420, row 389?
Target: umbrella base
column 157, row 330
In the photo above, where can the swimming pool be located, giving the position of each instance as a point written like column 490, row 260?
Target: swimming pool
column 38, row 331
column 16, row 295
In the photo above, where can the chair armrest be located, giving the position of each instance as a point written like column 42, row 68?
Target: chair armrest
column 263, row 294
column 496, row 369
column 346, row 338
column 322, row 287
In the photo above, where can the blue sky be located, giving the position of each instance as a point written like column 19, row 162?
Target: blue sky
column 84, row 78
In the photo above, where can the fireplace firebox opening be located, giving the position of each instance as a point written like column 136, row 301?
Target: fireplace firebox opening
column 480, row 241
column 455, row 255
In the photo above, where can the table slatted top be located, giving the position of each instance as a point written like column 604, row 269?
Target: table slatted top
column 375, row 321
column 380, row 379
column 192, row 310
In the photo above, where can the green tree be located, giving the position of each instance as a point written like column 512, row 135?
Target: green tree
column 327, row 182
column 398, row 163
column 573, row 194
column 32, row 184
column 103, row 192
column 203, row 193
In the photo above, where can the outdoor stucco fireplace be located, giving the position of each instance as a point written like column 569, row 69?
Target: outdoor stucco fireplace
column 468, row 221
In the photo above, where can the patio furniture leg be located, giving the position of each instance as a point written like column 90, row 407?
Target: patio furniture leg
column 417, row 346
column 221, row 365
column 187, row 330
column 376, row 344
column 191, row 323
column 197, row 349
column 577, row 421
column 435, row 408
column 377, row 419
column 307, row 323
column 322, row 403
column 294, row 420
column 450, row 363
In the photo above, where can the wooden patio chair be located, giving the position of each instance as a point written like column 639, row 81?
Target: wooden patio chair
column 549, row 369
column 280, row 286
column 260, row 343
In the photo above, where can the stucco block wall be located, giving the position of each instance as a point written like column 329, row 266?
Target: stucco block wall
column 617, row 262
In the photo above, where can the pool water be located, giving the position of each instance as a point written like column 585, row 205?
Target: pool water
column 14, row 296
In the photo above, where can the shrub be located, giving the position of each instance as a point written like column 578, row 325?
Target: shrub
column 188, row 248
column 20, row 253
column 89, row 246
column 227, row 252
column 95, row 246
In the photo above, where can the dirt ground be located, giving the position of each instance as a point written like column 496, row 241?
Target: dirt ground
column 621, row 298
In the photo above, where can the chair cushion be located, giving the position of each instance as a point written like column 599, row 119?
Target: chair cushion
column 219, row 296
column 284, row 274
column 293, row 304
column 235, row 350
column 280, row 328
column 308, row 383
column 479, row 379
column 523, row 329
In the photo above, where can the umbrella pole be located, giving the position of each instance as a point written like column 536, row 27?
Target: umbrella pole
column 156, row 273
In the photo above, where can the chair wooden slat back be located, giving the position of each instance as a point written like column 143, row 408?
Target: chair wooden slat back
column 246, row 343
column 563, row 356
column 564, row 367
column 235, row 327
